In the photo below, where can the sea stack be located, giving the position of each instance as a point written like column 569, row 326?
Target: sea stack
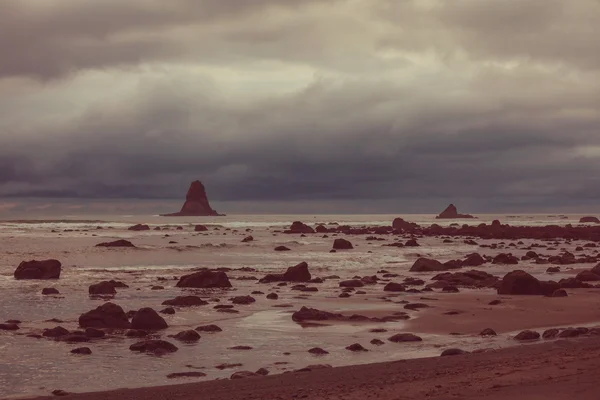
column 452, row 213
column 196, row 203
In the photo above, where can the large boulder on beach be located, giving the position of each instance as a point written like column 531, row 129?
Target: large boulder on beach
column 116, row 243
column 196, row 203
column 154, row 346
column 504, row 258
column 300, row 227
column 297, row 273
column 521, row 283
column 587, row 276
column 400, row 225
column 205, row 279
column 139, row 227
column 108, row 315
column 46, row 269
column 185, row 301
column 452, row 213
column 428, row 265
column 312, row 314
column 589, row 220
column 405, row 337
column 148, row 319
column 102, row 288
column 342, row 244
column 473, row 260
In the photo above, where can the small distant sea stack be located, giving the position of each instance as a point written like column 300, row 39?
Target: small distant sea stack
column 452, row 213
column 196, row 203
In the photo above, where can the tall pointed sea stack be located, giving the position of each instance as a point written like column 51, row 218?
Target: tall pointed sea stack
column 452, row 213
column 196, row 203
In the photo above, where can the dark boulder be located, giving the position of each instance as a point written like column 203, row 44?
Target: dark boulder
column 342, row 244
column 116, row 243
column 427, row 265
column 154, row 346
column 299, row 227
column 297, row 273
column 504, row 258
column 139, row 227
column 209, row 329
column 148, row 319
column 185, row 301
column 243, row 300
column 394, row 287
column 108, row 315
column 205, row 279
column 405, row 337
column 46, row 269
column 49, row 291
column 521, row 283
column 453, row 352
column 187, row 336
column 527, row 335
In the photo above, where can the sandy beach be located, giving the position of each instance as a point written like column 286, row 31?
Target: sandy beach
column 551, row 371
column 261, row 331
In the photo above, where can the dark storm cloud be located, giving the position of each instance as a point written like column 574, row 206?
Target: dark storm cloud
column 426, row 102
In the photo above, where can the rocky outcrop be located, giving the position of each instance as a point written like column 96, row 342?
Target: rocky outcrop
column 46, row 269
column 452, row 213
column 107, row 315
column 205, row 279
column 196, row 203
column 589, row 220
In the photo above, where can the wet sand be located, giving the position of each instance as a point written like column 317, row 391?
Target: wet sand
column 512, row 314
column 551, row 371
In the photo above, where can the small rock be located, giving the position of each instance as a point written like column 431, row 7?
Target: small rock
column 82, row 351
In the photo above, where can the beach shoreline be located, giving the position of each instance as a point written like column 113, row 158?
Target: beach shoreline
column 562, row 369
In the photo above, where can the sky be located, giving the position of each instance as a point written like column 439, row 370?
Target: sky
column 379, row 105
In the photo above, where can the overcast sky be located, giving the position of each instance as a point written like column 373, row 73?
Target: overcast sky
column 494, row 104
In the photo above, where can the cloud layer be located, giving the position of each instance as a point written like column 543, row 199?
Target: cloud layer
column 408, row 102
